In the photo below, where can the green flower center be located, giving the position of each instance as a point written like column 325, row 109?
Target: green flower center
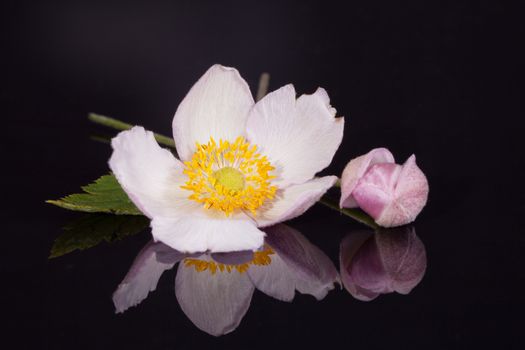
column 229, row 178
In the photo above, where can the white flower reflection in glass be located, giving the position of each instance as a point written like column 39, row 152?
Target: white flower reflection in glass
column 243, row 165
column 215, row 290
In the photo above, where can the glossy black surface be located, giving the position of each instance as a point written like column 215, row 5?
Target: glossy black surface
column 413, row 77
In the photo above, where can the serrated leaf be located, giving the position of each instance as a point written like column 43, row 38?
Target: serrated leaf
column 93, row 229
column 105, row 195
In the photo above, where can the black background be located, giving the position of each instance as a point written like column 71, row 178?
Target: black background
column 437, row 79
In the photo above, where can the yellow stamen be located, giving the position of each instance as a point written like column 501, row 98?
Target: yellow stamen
column 229, row 176
column 260, row 258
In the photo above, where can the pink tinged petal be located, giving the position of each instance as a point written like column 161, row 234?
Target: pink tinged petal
column 275, row 280
column 294, row 200
column 299, row 137
column 314, row 272
column 215, row 303
column 375, row 190
column 356, row 168
column 216, row 106
column 350, row 246
column 150, row 175
column 410, row 196
column 368, row 270
column 391, row 261
column 143, row 276
column 404, row 258
column 196, row 233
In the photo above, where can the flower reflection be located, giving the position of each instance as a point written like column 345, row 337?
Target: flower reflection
column 387, row 261
column 215, row 290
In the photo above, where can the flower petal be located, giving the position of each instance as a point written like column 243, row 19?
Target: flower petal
column 216, row 106
column 314, row 272
column 356, row 168
column 295, row 200
column 375, row 190
column 143, row 276
column 368, row 271
column 350, row 246
column 196, row 233
column 299, row 137
column 275, row 280
column 215, row 303
column 404, row 257
column 392, row 260
column 150, row 175
column 411, row 195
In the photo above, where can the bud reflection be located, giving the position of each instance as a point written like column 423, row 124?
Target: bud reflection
column 390, row 260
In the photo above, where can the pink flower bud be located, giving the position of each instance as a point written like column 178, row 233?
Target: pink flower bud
column 392, row 194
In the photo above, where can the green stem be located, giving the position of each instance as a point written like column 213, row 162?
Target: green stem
column 120, row 125
column 355, row 214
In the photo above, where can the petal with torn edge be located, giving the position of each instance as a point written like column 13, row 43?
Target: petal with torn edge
column 300, row 137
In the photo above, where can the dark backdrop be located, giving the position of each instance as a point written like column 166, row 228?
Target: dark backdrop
column 437, row 79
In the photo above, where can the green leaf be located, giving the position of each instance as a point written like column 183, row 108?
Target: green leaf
column 93, row 229
column 105, row 195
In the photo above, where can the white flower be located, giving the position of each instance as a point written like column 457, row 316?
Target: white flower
column 242, row 165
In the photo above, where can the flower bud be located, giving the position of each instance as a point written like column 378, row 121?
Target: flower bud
column 391, row 194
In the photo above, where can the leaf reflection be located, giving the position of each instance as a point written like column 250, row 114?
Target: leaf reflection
column 92, row 229
column 214, row 294
column 390, row 260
